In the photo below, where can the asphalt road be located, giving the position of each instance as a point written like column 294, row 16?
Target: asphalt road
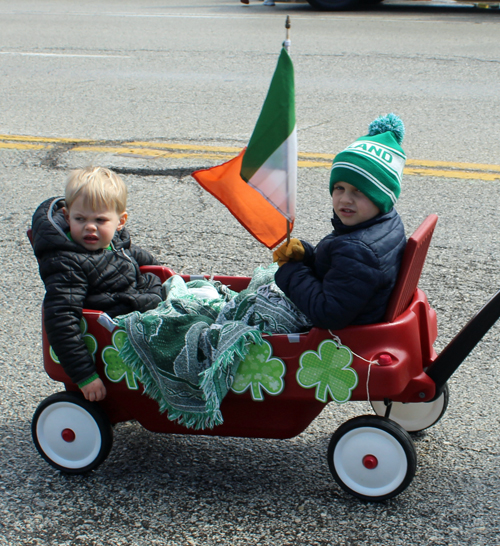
column 196, row 74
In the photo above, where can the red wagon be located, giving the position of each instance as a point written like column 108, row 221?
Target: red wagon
column 393, row 363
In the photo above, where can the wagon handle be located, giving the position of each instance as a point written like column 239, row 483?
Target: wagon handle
column 462, row 344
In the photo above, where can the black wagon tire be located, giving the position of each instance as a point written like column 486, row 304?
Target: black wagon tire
column 416, row 416
column 332, row 5
column 71, row 433
column 372, row 458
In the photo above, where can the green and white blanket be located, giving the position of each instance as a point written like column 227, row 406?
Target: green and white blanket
column 187, row 350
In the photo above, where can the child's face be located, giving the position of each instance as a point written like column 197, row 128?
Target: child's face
column 93, row 229
column 351, row 205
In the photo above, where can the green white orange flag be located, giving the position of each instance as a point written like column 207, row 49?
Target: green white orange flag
column 259, row 186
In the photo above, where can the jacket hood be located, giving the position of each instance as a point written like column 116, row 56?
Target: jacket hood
column 50, row 230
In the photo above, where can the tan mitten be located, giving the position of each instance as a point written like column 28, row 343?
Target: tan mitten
column 289, row 251
column 295, row 250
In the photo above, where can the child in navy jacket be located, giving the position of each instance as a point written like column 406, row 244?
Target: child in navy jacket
column 348, row 278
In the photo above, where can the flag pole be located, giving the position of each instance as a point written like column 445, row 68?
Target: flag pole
column 286, row 44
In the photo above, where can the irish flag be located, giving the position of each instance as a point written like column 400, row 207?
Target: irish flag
column 259, row 186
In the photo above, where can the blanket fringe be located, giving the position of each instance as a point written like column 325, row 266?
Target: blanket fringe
column 212, row 415
column 238, row 350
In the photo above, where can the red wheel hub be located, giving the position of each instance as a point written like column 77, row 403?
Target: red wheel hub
column 370, row 461
column 68, row 435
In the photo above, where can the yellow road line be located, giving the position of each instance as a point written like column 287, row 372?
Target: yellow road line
column 16, row 138
column 467, row 175
column 451, row 164
column 12, row 146
column 144, row 152
column 312, row 164
column 194, row 147
column 417, row 167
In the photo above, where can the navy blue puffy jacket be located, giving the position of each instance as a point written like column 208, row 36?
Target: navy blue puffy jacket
column 348, row 278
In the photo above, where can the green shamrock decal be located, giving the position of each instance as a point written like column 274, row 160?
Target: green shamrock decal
column 329, row 370
column 114, row 367
column 259, row 371
column 89, row 339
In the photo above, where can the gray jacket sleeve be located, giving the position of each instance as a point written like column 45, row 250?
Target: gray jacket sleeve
column 143, row 257
column 66, row 289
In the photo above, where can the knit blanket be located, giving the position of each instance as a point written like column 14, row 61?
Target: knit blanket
column 188, row 349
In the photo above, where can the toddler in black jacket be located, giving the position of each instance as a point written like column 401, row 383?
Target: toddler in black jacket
column 86, row 260
column 348, row 278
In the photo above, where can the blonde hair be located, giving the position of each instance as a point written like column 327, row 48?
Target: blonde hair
column 99, row 187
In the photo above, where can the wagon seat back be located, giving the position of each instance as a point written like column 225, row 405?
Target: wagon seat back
column 411, row 268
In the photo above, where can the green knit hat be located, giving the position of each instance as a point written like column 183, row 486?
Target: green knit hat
column 374, row 163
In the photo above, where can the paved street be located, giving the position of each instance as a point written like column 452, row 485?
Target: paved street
column 156, row 90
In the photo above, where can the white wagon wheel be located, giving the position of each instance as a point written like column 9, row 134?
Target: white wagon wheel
column 70, row 433
column 372, row 458
column 416, row 416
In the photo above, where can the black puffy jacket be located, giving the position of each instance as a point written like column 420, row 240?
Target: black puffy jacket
column 348, row 278
column 75, row 278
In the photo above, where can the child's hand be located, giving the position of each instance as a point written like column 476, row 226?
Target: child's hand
column 289, row 251
column 94, row 391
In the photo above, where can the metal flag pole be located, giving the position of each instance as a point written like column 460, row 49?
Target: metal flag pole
column 286, row 44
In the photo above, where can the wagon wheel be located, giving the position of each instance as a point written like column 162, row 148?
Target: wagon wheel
column 71, row 434
column 416, row 416
column 334, row 4
column 372, row 458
